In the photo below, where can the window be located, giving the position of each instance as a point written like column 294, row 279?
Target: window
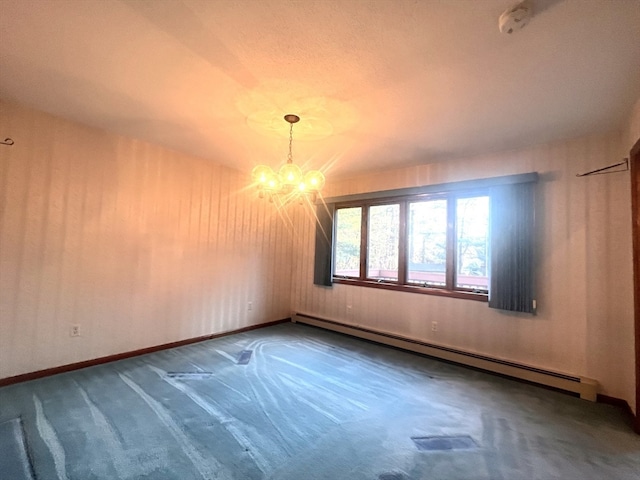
column 382, row 242
column 472, row 243
column 426, row 250
column 348, row 229
column 427, row 243
column 472, row 239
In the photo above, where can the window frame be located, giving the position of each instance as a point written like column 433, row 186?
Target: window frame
column 450, row 289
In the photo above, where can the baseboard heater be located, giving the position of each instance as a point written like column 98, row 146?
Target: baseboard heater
column 585, row 387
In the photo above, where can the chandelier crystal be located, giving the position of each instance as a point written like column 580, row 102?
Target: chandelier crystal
column 289, row 182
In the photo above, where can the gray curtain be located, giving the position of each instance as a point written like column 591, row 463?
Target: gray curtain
column 322, row 274
column 512, row 247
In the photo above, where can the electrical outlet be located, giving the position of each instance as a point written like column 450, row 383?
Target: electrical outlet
column 249, row 306
column 434, row 326
column 74, row 331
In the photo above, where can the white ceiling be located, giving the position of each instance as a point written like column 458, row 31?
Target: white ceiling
column 378, row 83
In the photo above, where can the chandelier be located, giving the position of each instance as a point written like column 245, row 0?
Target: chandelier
column 289, row 182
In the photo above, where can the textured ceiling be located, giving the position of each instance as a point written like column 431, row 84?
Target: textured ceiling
column 378, row 83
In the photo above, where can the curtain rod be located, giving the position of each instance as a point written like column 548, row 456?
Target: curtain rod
column 602, row 171
column 436, row 188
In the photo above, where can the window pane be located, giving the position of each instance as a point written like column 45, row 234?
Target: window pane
column 382, row 248
column 347, row 255
column 472, row 234
column 427, row 248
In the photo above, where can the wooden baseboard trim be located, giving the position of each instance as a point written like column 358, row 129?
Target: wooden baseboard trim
column 620, row 403
column 25, row 377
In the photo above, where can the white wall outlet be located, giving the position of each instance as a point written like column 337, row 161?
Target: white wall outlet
column 74, row 331
column 434, row 326
column 249, row 306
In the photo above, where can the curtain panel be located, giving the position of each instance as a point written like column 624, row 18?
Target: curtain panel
column 512, row 271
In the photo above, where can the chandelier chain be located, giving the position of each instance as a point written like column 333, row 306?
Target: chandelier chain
column 290, row 157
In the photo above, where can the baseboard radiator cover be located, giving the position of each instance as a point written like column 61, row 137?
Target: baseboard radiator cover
column 585, row 387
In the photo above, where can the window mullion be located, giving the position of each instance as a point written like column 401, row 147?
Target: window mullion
column 451, row 243
column 364, row 242
column 402, row 244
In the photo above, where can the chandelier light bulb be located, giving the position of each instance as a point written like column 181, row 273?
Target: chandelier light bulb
column 315, row 180
column 290, row 174
column 273, row 182
column 261, row 174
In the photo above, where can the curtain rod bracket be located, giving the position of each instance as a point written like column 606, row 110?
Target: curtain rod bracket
column 602, row 171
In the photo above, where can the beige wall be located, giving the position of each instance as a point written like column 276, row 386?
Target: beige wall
column 584, row 324
column 141, row 246
column 138, row 244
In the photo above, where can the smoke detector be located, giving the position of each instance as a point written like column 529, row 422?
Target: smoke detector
column 514, row 18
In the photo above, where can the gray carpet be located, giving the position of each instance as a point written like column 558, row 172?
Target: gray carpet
column 14, row 461
column 292, row 402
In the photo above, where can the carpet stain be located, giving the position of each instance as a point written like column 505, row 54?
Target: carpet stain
column 190, row 375
column 393, row 476
column 439, row 443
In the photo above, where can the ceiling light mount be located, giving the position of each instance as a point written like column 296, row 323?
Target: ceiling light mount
column 292, row 118
column 289, row 182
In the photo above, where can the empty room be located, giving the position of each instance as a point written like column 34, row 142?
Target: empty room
column 319, row 239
